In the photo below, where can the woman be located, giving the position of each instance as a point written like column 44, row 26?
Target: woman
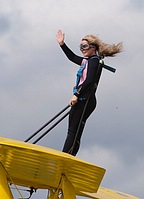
column 88, row 77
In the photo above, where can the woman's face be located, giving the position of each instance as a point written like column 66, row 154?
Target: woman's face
column 87, row 49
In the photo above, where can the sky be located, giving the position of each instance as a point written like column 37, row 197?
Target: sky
column 36, row 81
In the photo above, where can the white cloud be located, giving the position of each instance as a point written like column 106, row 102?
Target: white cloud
column 36, row 79
column 119, row 175
column 103, row 157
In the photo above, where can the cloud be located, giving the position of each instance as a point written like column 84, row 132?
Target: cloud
column 4, row 25
column 115, row 166
column 137, row 5
column 36, row 79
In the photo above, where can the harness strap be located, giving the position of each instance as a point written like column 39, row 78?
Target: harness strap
column 79, row 74
column 82, row 67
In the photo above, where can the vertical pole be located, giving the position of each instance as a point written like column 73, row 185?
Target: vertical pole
column 5, row 191
column 68, row 189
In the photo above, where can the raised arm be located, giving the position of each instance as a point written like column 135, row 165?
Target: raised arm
column 60, row 37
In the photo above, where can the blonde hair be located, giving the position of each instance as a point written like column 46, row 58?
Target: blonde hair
column 104, row 50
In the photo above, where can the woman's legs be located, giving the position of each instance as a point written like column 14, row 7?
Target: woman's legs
column 74, row 119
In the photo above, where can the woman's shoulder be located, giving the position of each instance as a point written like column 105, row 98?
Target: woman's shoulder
column 93, row 57
column 93, row 61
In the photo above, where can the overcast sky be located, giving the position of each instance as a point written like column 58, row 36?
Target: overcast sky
column 36, row 81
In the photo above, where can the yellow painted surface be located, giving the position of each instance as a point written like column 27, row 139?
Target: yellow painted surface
column 35, row 166
column 104, row 193
column 68, row 191
column 5, row 192
column 40, row 167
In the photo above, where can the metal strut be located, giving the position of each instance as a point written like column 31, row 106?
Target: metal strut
column 46, row 124
column 101, row 63
column 80, row 122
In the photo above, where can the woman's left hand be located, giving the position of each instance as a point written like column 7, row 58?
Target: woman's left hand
column 73, row 100
column 60, row 36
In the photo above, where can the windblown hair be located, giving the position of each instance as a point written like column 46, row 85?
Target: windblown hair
column 103, row 49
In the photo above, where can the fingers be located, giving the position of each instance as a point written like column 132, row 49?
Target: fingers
column 72, row 103
column 73, row 100
column 59, row 32
column 60, row 37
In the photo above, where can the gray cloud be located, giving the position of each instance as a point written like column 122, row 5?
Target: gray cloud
column 4, row 25
column 36, row 81
column 137, row 5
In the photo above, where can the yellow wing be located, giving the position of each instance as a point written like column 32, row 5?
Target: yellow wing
column 104, row 193
column 35, row 166
column 39, row 167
